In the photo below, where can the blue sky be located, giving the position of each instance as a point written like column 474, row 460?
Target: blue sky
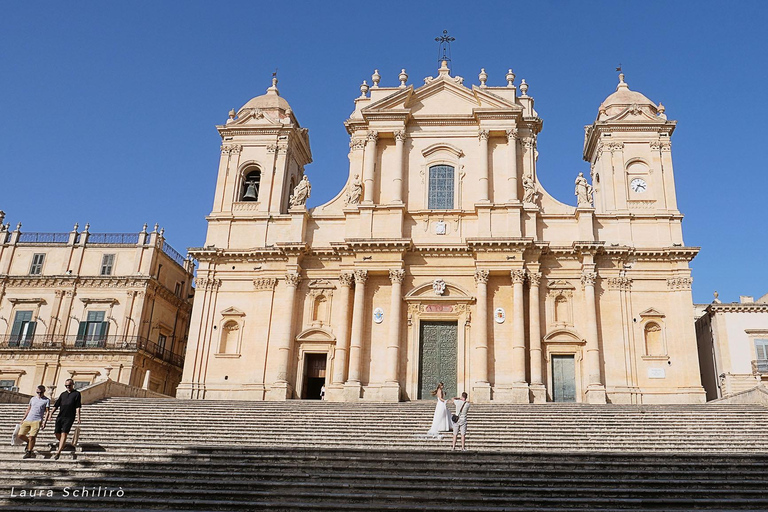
column 107, row 109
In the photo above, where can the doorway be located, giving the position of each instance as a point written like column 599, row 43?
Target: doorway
column 314, row 376
column 563, row 378
column 438, row 347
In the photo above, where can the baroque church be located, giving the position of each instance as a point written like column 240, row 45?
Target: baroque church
column 444, row 258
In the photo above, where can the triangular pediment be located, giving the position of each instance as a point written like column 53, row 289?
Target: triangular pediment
column 444, row 95
column 652, row 312
column 232, row 311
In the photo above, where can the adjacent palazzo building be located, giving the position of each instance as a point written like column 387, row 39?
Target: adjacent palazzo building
column 444, row 258
column 91, row 306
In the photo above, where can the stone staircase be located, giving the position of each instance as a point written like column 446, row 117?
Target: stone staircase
column 166, row 454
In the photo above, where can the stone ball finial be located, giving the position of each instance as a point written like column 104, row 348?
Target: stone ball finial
column 483, row 77
column 18, row 226
column 403, row 77
column 364, row 89
column 144, row 228
column 375, row 78
column 510, row 78
column 87, row 227
column 75, row 227
column 524, row 88
column 155, row 228
column 162, row 231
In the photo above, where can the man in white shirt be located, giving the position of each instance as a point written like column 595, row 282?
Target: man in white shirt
column 33, row 417
column 462, row 407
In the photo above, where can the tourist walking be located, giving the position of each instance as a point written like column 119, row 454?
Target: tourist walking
column 34, row 420
column 69, row 411
column 462, row 408
column 441, row 421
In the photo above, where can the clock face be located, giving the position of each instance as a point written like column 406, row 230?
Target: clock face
column 638, row 185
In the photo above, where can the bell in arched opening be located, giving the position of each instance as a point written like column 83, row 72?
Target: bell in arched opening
column 251, row 186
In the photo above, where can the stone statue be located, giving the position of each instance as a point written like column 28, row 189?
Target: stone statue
column 301, row 193
column 583, row 191
column 355, row 190
column 529, row 189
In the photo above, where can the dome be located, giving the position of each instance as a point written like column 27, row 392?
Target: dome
column 270, row 100
column 623, row 98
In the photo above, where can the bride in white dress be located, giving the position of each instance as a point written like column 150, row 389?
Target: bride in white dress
column 441, row 422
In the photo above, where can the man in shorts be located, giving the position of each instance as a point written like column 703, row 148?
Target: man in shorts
column 69, row 405
column 35, row 415
column 462, row 407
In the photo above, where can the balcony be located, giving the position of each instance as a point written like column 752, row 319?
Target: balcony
column 760, row 366
column 77, row 343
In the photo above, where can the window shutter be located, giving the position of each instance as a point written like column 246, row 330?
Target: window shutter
column 81, row 329
column 104, row 329
column 761, row 347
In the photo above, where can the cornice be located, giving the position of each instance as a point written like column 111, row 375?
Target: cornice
column 499, row 244
column 737, row 307
column 379, row 244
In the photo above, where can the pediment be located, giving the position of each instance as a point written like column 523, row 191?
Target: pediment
column 563, row 336
column 427, row 291
column 652, row 312
column 444, row 95
column 559, row 284
column 316, row 334
column 232, row 311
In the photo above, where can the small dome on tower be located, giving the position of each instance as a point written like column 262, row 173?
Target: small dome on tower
column 270, row 100
column 623, row 98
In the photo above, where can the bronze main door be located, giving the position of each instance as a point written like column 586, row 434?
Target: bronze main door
column 438, row 343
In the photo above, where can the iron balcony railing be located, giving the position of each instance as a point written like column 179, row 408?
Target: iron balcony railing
column 114, row 238
column 43, row 238
column 173, row 253
column 94, row 342
column 760, row 366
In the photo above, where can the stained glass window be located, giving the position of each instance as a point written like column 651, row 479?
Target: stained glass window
column 440, row 187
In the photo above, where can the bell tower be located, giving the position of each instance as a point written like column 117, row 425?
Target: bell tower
column 629, row 151
column 263, row 154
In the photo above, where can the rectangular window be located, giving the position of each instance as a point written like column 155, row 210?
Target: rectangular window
column 761, row 349
column 92, row 332
column 177, row 292
column 37, row 264
column 440, row 187
column 7, row 384
column 161, row 339
column 107, row 262
column 23, row 329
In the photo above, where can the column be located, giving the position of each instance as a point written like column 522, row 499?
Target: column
column 284, row 343
column 483, row 166
column 370, row 166
column 538, row 390
column 595, row 389
column 512, row 164
column 519, row 384
column 397, row 196
column 391, row 390
column 353, row 386
column 342, row 341
column 481, row 388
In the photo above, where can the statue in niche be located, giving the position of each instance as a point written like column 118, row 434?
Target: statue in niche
column 529, row 189
column 583, row 191
column 355, row 190
column 301, row 193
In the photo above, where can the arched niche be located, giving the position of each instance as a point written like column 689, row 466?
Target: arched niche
column 653, row 333
column 230, row 327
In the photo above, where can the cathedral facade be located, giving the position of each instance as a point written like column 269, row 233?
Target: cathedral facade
column 444, row 258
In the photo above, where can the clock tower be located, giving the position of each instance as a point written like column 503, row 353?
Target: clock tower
column 629, row 151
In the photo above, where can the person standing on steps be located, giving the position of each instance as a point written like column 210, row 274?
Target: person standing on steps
column 69, row 405
column 462, row 408
column 33, row 417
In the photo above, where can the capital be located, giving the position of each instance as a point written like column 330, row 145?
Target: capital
column 346, row 278
column 511, row 135
column 483, row 134
column 361, row 276
column 400, row 135
column 534, row 278
column 518, row 276
column 396, row 275
column 481, row 276
column 372, row 136
column 292, row 279
column 588, row 278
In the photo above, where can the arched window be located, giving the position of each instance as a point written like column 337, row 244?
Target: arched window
column 654, row 345
column 229, row 337
column 440, row 187
column 251, row 184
